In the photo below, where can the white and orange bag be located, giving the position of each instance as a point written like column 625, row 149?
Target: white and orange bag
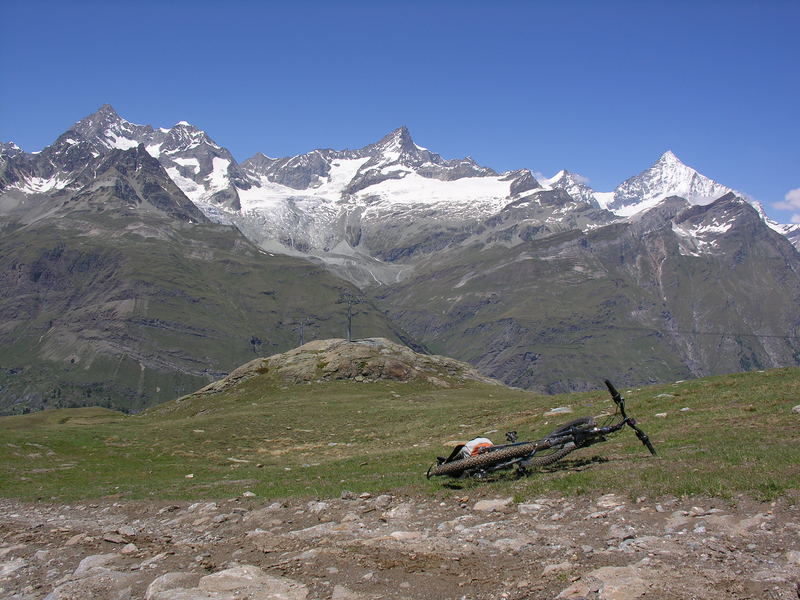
column 474, row 447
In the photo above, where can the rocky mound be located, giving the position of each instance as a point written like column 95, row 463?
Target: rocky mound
column 366, row 360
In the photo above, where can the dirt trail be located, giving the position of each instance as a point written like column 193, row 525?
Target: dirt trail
column 354, row 547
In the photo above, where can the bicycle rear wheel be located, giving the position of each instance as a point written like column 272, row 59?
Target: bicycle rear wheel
column 481, row 461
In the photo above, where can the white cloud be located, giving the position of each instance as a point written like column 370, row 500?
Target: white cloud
column 791, row 202
column 795, row 219
column 580, row 178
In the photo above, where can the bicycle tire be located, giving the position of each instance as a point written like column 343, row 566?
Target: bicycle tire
column 549, row 459
column 481, row 460
column 542, row 460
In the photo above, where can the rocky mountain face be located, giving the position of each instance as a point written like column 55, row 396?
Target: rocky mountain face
column 542, row 284
column 681, row 291
column 116, row 289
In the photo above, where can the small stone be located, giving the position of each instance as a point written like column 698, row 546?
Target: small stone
column 492, row 505
column 317, row 507
column 557, row 568
column 793, row 557
column 609, row 501
column 660, row 415
column 127, row 531
column 561, row 410
column 530, row 508
column 95, row 560
column 248, row 494
column 114, row 538
column 405, row 536
column 342, row 593
column 383, row 501
column 129, row 549
column 365, row 495
column 621, row 532
column 347, row 495
column 75, row 539
column 796, row 409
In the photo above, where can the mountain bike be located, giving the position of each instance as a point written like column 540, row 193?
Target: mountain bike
column 580, row 433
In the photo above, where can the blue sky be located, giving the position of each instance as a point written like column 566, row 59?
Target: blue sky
column 599, row 88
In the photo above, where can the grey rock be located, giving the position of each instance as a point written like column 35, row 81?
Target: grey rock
column 530, row 508
column 561, row 410
column 10, row 566
column 495, row 505
column 317, row 507
column 246, row 582
column 98, row 584
column 93, row 561
column 342, row 593
column 383, row 501
column 171, row 581
column 127, row 531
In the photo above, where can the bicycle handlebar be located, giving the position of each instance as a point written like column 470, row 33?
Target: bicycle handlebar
column 620, row 401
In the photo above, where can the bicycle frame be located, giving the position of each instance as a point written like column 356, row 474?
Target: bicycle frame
column 523, row 454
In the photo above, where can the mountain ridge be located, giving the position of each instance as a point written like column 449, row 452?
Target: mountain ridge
column 530, row 280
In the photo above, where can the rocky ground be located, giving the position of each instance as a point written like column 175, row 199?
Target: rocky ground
column 605, row 547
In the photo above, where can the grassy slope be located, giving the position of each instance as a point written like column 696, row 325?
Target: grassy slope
column 739, row 435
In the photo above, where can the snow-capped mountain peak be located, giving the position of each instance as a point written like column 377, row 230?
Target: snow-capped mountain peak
column 575, row 185
column 399, row 140
column 669, row 158
column 106, row 128
column 669, row 176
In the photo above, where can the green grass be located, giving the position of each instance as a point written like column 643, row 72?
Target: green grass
column 738, row 436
